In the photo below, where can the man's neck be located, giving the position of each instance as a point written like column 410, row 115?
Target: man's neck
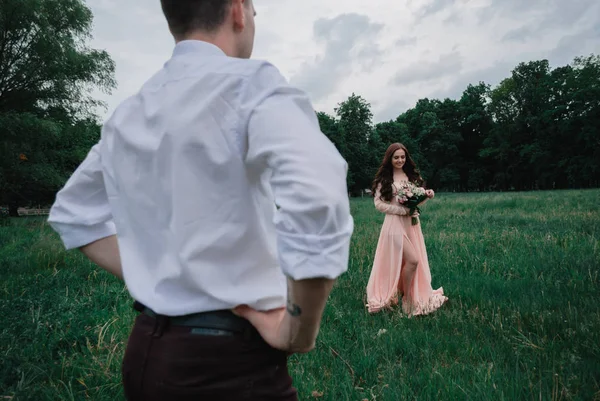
column 218, row 39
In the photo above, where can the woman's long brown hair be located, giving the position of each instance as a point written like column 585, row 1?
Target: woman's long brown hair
column 385, row 174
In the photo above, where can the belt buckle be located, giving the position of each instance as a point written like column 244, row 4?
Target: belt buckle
column 205, row 331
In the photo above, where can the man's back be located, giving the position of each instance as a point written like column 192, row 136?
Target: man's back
column 186, row 164
column 216, row 196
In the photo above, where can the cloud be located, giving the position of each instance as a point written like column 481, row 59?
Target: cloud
column 520, row 34
column 347, row 41
column 587, row 41
column 555, row 15
column 491, row 75
column 433, row 7
column 392, row 55
column 390, row 110
column 446, row 64
column 406, row 41
column 540, row 14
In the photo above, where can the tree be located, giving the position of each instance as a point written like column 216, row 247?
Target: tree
column 537, row 129
column 392, row 132
column 355, row 122
column 44, row 63
column 500, row 145
column 578, row 139
column 475, row 124
column 546, row 125
column 330, row 127
column 433, row 138
column 531, row 92
column 44, row 154
column 47, row 75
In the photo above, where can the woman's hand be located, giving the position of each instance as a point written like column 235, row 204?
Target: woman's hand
column 404, row 211
column 430, row 194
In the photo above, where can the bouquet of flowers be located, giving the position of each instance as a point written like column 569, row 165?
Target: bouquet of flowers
column 411, row 196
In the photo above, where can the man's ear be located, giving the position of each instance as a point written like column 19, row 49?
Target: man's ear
column 238, row 11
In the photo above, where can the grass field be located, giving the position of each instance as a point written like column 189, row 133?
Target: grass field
column 522, row 271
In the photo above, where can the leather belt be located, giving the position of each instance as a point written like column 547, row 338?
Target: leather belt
column 222, row 320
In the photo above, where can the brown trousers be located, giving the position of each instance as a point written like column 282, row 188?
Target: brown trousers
column 167, row 362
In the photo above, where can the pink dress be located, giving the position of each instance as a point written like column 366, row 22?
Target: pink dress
column 400, row 266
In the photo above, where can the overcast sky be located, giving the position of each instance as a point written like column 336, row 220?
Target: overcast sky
column 391, row 52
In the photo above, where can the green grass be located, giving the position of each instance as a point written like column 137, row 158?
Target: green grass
column 522, row 271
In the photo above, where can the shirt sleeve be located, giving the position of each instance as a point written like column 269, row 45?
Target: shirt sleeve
column 308, row 177
column 81, row 213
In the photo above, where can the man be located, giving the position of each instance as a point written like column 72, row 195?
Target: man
column 178, row 199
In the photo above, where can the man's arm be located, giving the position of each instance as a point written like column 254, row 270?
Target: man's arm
column 313, row 221
column 105, row 253
column 306, row 303
column 81, row 215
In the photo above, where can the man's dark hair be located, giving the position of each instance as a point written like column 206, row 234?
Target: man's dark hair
column 185, row 16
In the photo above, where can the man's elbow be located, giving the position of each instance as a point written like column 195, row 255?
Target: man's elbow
column 330, row 210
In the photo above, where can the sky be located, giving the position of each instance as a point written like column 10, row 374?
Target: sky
column 390, row 52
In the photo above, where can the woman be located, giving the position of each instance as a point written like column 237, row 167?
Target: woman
column 400, row 265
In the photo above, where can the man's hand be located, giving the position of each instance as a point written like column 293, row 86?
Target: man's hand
column 294, row 328
column 275, row 327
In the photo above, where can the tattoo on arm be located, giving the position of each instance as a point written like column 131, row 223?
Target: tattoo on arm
column 292, row 308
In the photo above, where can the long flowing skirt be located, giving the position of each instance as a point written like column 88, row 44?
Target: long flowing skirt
column 401, row 268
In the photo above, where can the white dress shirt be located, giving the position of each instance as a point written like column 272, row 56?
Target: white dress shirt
column 187, row 173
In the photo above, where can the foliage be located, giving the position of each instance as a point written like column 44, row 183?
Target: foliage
column 537, row 129
column 355, row 126
column 47, row 75
column 45, row 66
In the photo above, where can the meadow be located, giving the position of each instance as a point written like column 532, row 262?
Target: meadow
column 521, row 270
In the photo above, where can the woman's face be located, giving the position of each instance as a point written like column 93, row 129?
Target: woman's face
column 398, row 159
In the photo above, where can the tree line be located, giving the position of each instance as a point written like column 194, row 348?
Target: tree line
column 47, row 111
column 536, row 129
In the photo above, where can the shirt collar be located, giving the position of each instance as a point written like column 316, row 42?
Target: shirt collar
column 197, row 46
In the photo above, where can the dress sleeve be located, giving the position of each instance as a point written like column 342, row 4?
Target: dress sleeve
column 387, row 207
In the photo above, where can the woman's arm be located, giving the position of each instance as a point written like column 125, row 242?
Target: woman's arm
column 430, row 194
column 387, row 207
